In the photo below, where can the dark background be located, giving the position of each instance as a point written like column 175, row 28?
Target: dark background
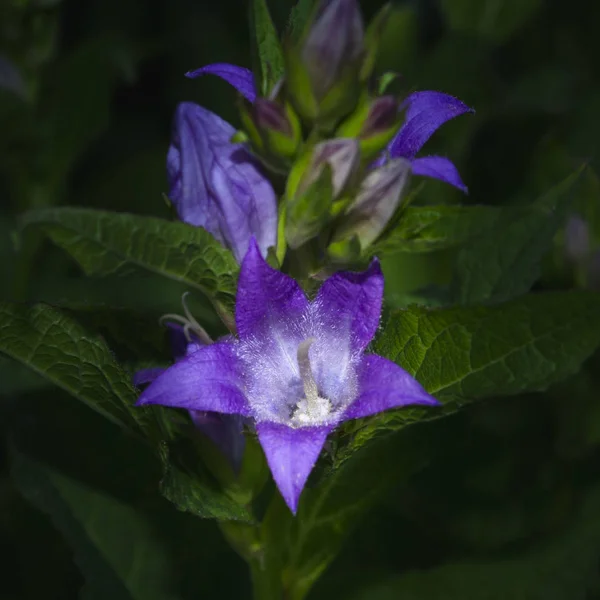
column 89, row 125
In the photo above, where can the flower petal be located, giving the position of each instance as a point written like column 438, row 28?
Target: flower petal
column 209, row 379
column 349, row 306
column 266, row 298
column 225, row 431
column 240, row 78
column 217, row 185
column 425, row 113
column 383, row 385
column 440, row 168
column 144, row 376
column 291, row 454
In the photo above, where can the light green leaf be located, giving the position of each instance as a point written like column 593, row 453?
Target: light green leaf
column 496, row 20
column 115, row 546
column 431, row 228
column 267, row 46
column 105, row 242
column 58, row 348
column 506, row 261
column 553, row 569
column 462, row 354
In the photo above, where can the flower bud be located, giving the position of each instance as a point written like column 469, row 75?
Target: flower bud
column 218, row 185
column 376, row 202
column 273, row 129
column 323, row 72
column 374, row 123
column 316, row 181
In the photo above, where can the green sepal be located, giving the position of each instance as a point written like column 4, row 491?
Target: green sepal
column 250, row 129
column 345, row 251
column 298, row 83
column 308, row 212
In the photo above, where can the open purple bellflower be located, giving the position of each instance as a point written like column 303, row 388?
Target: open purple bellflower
column 225, row 431
column 298, row 368
column 218, row 185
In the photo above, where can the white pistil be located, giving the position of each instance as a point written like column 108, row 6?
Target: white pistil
column 312, row 409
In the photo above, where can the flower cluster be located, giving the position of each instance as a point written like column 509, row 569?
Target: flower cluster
column 320, row 169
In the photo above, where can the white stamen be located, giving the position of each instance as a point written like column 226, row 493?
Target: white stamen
column 312, row 409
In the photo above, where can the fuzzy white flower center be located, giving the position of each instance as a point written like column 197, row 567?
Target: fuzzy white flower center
column 312, row 409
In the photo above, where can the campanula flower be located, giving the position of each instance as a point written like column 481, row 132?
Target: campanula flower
column 240, row 78
column 218, row 185
column 225, row 431
column 425, row 113
column 297, row 369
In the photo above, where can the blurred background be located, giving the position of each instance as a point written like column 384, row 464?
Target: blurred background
column 87, row 92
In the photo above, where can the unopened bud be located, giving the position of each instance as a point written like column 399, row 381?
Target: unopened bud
column 376, row 202
column 316, row 181
column 374, row 123
column 273, row 129
column 323, row 72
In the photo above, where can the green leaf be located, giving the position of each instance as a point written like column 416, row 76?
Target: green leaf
column 299, row 17
column 98, row 485
column 552, row 569
column 115, row 546
column 496, row 20
column 431, row 228
column 267, row 46
column 191, row 488
column 506, row 261
column 463, row 354
column 58, row 348
column 105, row 242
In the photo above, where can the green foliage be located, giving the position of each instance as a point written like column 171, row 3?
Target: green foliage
column 299, row 17
column 266, row 46
column 432, row 228
column 552, row 569
column 506, row 261
column 115, row 545
column 495, row 21
column 58, row 348
column 105, row 242
column 461, row 354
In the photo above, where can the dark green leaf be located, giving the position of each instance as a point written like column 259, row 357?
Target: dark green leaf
column 267, row 46
column 100, row 491
column 105, row 242
column 554, row 569
column 496, row 21
column 431, row 228
column 506, row 261
column 191, row 488
column 115, row 547
column 299, row 17
column 57, row 347
column 462, row 354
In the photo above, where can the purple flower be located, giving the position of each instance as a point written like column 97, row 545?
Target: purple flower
column 216, row 184
column 240, row 78
column 298, row 369
column 225, row 431
column 425, row 113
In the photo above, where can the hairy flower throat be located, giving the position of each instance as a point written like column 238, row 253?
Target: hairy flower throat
column 312, row 409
